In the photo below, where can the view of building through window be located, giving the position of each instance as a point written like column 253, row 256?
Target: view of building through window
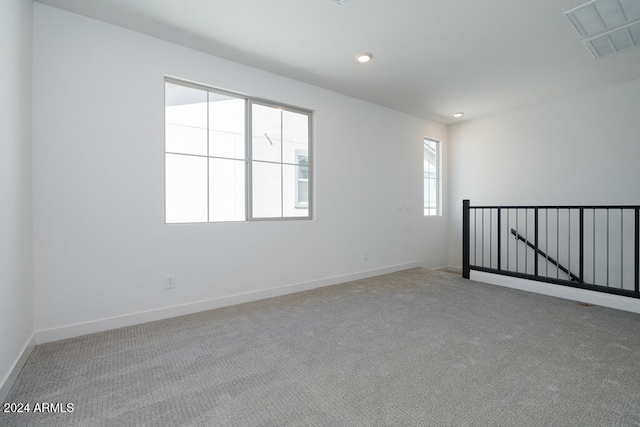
column 431, row 177
column 214, row 172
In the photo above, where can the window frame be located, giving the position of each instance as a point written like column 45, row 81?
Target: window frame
column 248, row 160
column 437, row 178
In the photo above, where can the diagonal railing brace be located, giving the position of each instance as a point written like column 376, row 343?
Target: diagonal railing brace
column 547, row 257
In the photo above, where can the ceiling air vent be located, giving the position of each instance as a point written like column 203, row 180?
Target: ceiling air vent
column 607, row 26
column 341, row 2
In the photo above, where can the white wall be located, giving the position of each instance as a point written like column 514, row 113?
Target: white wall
column 101, row 247
column 16, row 284
column 582, row 149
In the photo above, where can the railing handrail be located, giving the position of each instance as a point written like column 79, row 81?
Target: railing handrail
column 555, row 207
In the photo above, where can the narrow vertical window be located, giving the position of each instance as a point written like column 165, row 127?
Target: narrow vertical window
column 431, row 177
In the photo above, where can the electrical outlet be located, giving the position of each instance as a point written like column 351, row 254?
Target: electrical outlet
column 170, row 282
column 365, row 255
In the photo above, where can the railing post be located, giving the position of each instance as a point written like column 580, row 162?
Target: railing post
column 466, row 213
column 637, row 252
column 535, row 241
column 499, row 236
column 581, row 272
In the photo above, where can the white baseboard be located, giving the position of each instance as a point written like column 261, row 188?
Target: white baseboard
column 575, row 294
column 10, row 378
column 75, row 330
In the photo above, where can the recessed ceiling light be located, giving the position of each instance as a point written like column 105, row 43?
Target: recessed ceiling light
column 364, row 57
column 458, row 115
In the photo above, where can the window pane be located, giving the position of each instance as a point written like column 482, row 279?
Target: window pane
column 303, row 193
column 185, row 140
column 226, row 190
column 295, row 130
column 430, row 205
column 226, row 126
column 266, row 140
column 303, row 169
column 186, row 188
column 295, row 192
column 185, row 120
column 267, row 188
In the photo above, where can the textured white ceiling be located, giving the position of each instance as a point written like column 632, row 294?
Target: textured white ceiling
column 432, row 58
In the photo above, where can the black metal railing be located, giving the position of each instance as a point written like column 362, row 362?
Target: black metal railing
column 589, row 247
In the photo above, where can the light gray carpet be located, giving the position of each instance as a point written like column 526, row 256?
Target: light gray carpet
column 415, row 348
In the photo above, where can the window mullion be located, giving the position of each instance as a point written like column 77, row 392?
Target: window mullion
column 281, row 164
column 208, row 163
column 248, row 161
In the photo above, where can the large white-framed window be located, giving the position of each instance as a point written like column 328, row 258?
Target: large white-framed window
column 431, row 178
column 234, row 158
